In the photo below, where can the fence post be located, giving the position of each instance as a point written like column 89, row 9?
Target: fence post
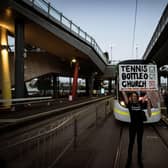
column 49, row 6
column 96, row 117
column 79, row 31
column 75, row 133
column 105, row 110
column 70, row 25
column 60, row 17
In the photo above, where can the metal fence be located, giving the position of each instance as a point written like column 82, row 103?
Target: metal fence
column 44, row 148
column 45, row 8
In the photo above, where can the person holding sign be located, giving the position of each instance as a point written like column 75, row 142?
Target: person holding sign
column 137, row 116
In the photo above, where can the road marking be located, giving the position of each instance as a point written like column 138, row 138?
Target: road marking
column 152, row 137
column 8, row 120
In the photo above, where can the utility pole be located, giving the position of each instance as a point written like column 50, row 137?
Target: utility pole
column 111, row 47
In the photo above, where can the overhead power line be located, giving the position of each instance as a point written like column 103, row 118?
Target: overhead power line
column 134, row 28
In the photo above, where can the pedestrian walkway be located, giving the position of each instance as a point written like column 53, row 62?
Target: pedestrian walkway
column 99, row 149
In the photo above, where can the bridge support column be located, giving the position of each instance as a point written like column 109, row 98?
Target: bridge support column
column 159, row 80
column 4, row 68
column 55, row 86
column 89, row 85
column 70, row 85
column 19, row 59
column 75, row 80
column 110, row 86
column 98, row 85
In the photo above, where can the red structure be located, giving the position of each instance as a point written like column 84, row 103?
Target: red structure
column 75, row 80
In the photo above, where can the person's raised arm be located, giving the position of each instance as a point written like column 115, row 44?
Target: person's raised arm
column 125, row 97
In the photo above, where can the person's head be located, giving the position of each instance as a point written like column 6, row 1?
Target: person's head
column 134, row 97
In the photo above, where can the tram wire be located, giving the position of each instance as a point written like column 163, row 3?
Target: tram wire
column 134, row 28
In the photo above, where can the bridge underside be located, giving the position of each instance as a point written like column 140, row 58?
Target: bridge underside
column 50, row 38
column 159, row 53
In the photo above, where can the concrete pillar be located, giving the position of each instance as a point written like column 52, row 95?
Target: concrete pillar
column 159, row 80
column 70, row 85
column 55, row 86
column 19, row 59
column 4, row 68
column 97, row 84
column 87, row 87
column 90, row 85
column 167, row 83
column 110, row 86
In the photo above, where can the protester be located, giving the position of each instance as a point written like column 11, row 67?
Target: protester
column 135, row 108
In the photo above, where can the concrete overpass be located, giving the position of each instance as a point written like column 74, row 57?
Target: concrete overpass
column 45, row 42
column 157, row 50
column 48, row 29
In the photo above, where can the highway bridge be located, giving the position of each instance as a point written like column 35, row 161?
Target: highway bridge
column 49, row 42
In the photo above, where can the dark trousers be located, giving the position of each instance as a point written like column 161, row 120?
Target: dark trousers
column 135, row 129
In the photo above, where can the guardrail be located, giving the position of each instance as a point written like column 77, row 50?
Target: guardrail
column 25, row 101
column 160, row 27
column 45, row 148
column 45, row 8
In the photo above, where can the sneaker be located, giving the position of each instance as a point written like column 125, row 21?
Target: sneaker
column 128, row 164
column 140, row 163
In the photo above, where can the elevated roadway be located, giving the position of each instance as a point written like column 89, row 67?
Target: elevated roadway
column 49, row 30
column 157, row 50
column 45, row 43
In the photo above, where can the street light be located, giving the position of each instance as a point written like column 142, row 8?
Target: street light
column 73, row 60
column 75, row 79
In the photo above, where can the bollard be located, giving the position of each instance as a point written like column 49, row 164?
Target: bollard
column 105, row 111
column 96, row 117
column 70, row 98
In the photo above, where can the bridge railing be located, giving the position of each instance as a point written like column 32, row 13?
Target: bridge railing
column 52, row 13
column 160, row 27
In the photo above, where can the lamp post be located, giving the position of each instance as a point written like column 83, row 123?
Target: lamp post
column 75, row 78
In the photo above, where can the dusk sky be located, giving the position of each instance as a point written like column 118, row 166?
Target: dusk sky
column 111, row 22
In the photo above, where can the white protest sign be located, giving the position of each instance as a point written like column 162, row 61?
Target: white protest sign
column 138, row 77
